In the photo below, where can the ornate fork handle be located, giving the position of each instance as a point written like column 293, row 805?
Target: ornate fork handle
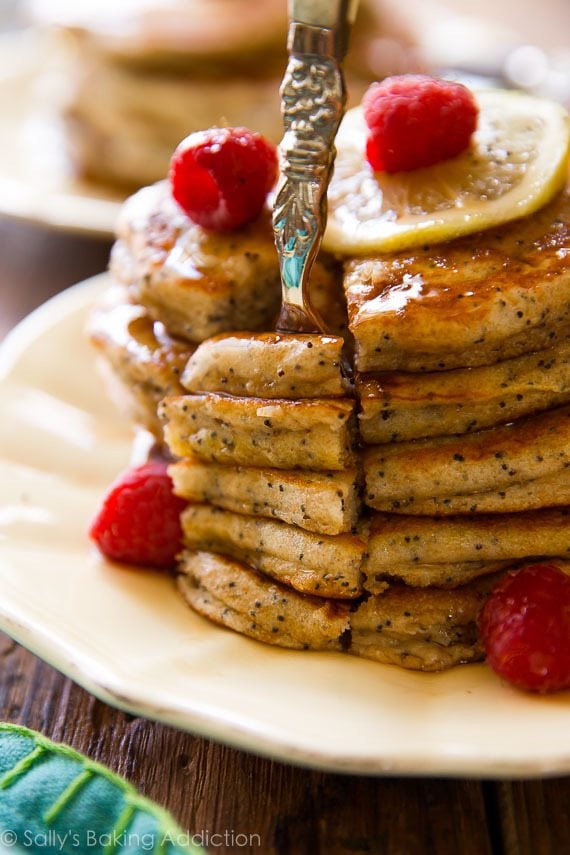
column 313, row 98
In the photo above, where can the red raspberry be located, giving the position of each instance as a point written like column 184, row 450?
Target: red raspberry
column 139, row 520
column 525, row 627
column 221, row 177
column 416, row 120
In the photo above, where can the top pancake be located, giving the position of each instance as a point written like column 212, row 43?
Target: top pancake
column 197, row 283
column 472, row 301
column 200, row 283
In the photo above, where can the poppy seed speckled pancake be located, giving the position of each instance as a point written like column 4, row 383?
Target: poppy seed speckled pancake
column 308, row 434
column 268, row 365
column 421, row 629
column 142, row 363
column 473, row 301
column 325, row 502
column 424, row 629
column 312, row 563
column 405, row 540
column 197, row 283
column 447, row 575
column 550, row 491
column 401, row 474
column 395, row 406
column 232, row 594
column 201, row 283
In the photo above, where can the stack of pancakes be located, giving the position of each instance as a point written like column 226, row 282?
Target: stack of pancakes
column 142, row 74
column 276, row 545
column 464, row 386
column 372, row 517
column 139, row 75
column 270, row 471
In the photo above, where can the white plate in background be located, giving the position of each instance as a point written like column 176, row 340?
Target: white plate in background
column 36, row 178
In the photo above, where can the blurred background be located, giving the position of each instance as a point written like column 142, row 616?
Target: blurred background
column 94, row 96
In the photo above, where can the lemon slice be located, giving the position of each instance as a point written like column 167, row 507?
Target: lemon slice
column 517, row 161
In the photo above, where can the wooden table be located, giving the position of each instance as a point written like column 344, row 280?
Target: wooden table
column 209, row 787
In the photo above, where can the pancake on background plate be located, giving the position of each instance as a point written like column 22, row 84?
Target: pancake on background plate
column 145, row 73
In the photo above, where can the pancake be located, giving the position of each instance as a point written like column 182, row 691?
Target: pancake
column 427, row 630
column 200, row 284
column 314, row 564
column 137, row 118
column 406, row 540
column 551, row 491
column 328, row 298
column 141, row 76
column 143, row 363
column 323, row 502
column 233, row 595
column 447, row 575
column 399, row 475
column 268, row 365
column 310, row 434
column 421, row 629
column 197, row 283
column 473, row 301
column 396, row 406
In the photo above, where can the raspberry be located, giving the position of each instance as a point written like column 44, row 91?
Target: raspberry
column 415, row 121
column 221, row 177
column 139, row 520
column 525, row 627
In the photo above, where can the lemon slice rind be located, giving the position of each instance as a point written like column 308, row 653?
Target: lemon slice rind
column 517, row 162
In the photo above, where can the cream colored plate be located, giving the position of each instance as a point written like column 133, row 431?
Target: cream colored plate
column 36, row 179
column 126, row 636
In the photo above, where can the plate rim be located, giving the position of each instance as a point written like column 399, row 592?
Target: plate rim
column 241, row 737
column 211, row 723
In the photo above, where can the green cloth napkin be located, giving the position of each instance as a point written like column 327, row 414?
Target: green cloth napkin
column 55, row 800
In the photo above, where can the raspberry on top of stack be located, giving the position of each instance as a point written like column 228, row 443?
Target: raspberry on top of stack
column 374, row 518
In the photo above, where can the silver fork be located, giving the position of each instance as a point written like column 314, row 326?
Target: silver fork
column 313, row 99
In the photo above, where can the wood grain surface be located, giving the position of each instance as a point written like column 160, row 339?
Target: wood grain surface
column 214, row 790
